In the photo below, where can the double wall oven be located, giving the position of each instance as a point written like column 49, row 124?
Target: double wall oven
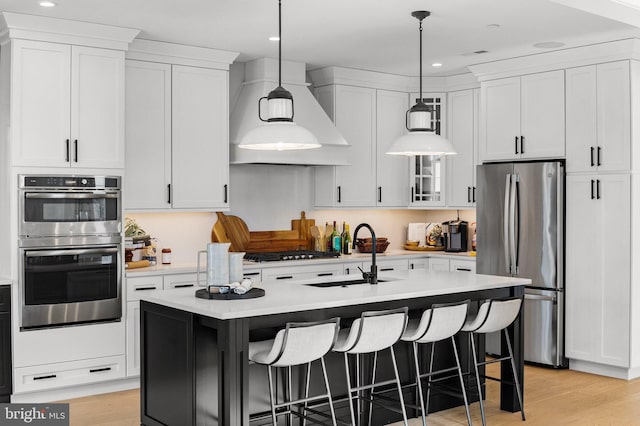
column 70, row 250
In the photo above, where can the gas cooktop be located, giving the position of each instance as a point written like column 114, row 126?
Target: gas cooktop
column 289, row 255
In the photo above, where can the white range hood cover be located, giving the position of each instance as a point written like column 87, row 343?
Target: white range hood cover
column 261, row 77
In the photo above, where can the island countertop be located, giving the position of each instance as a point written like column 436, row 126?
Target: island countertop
column 295, row 296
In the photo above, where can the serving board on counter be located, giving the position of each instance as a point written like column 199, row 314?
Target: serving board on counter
column 232, row 229
column 423, row 248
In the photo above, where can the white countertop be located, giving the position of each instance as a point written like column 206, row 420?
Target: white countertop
column 185, row 268
column 294, row 296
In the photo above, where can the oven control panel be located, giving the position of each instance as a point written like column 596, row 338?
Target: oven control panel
column 70, row 182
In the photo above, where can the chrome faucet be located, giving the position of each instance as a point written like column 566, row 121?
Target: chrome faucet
column 372, row 276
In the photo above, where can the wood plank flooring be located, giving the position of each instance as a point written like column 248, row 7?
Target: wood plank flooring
column 552, row 397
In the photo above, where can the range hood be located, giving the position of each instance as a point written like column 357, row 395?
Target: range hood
column 261, row 77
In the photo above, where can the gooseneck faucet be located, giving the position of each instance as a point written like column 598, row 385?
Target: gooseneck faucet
column 372, row 276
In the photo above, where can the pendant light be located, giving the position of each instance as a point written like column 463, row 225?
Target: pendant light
column 279, row 132
column 422, row 138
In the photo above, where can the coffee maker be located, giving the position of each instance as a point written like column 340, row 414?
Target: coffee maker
column 455, row 235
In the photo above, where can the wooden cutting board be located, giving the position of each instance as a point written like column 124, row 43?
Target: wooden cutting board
column 303, row 226
column 231, row 229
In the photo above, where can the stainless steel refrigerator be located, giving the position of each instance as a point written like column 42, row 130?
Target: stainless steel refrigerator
column 520, row 232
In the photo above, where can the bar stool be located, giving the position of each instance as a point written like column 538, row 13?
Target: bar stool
column 372, row 332
column 297, row 344
column 440, row 322
column 495, row 315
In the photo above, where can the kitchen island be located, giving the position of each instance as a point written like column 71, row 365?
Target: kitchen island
column 194, row 361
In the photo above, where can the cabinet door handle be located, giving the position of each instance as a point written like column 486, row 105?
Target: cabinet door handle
column 145, row 288
column 386, row 269
column 75, row 143
column 598, row 189
column 516, row 145
column 49, row 376
column 98, row 370
column 468, row 194
column 474, row 194
column 598, row 156
column 339, row 194
column 379, row 194
column 251, row 274
column 285, row 277
column 521, row 144
column 325, row 274
column 593, row 163
column 226, row 187
column 592, row 189
column 464, row 269
column 347, row 270
column 412, row 199
column 182, row 285
column 68, row 153
column 412, row 266
column 169, row 193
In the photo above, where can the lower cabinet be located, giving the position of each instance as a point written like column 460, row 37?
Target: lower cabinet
column 272, row 275
column 419, row 263
column 64, row 374
column 461, row 265
column 437, row 264
column 5, row 343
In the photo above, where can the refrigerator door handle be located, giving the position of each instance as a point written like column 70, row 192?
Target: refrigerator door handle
column 516, row 223
column 539, row 297
column 512, row 225
column 506, row 222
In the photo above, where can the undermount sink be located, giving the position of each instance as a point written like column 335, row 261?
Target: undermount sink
column 345, row 283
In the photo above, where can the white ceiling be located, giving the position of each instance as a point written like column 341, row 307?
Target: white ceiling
column 377, row 35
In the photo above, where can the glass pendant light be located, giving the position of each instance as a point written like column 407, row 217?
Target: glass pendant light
column 279, row 132
column 422, row 138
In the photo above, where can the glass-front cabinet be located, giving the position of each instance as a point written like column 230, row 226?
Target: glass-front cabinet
column 427, row 171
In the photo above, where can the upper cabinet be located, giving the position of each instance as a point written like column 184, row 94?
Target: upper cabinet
column 75, row 94
column 427, row 172
column 598, row 117
column 462, row 125
column 177, row 127
column 370, row 120
column 523, row 117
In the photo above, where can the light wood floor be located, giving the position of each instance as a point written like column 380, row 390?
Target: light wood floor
column 552, row 397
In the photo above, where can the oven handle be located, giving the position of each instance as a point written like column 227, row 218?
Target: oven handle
column 46, row 195
column 37, row 253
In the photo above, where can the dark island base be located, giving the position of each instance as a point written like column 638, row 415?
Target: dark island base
column 193, row 367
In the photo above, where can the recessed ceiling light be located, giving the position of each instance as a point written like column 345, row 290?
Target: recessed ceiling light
column 436, row 64
column 47, row 4
column 548, row 45
column 274, row 38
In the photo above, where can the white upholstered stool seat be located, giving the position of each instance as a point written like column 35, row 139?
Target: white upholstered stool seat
column 372, row 332
column 495, row 315
column 440, row 322
column 297, row 344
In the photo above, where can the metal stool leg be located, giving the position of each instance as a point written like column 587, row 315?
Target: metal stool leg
column 395, row 369
column 289, row 397
column 464, row 393
column 346, row 365
column 373, row 380
column 326, row 385
column 475, row 366
column 433, row 345
column 419, row 384
column 306, row 393
column 515, row 374
column 272, row 397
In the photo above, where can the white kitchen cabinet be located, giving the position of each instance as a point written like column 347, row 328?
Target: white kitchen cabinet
column 177, row 137
column 438, row 264
column 75, row 94
column 462, row 110
column 304, row 272
column 134, row 286
column 419, row 263
column 598, row 117
column 462, row 265
column 370, row 121
column 523, row 117
column 598, row 274
column 427, row 172
column 387, row 265
column 391, row 170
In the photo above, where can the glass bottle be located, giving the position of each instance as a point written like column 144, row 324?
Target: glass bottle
column 336, row 245
column 346, row 239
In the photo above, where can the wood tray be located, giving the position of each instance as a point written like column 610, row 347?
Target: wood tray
column 423, row 248
column 204, row 293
